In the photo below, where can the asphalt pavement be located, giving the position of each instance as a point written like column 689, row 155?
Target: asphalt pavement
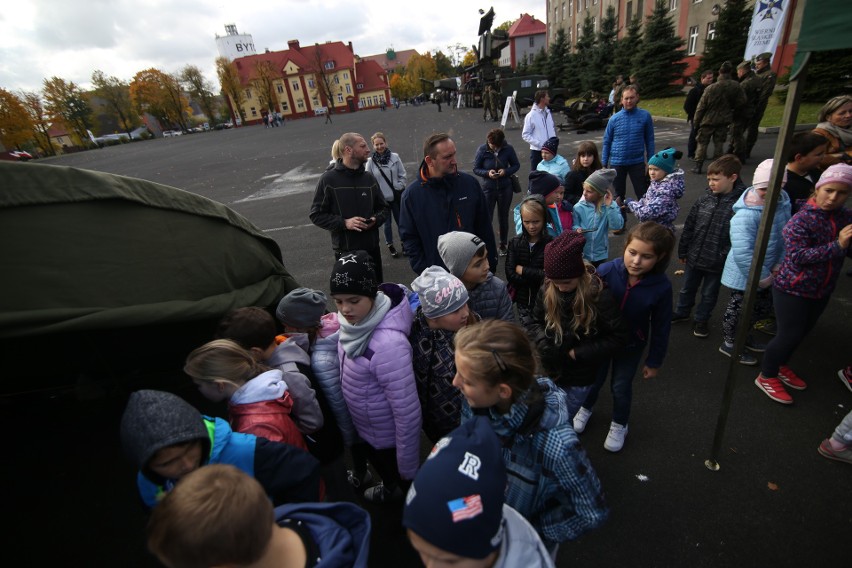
column 774, row 502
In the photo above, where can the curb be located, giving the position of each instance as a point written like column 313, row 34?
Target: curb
column 762, row 129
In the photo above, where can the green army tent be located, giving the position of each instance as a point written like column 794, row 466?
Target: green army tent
column 85, row 252
column 825, row 26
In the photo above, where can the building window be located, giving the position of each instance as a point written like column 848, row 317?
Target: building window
column 579, row 29
column 693, row 41
column 248, row 94
column 579, row 6
column 345, row 74
column 301, row 104
column 381, row 98
column 570, row 6
column 672, row 5
column 629, row 12
column 360, row 86
column 569, row 37
column 711, row 30
column 315, row 102
column 339, row 97
column 295, row 85
column 532, row 41
column 312, row 84
column 595, row 23
column 253, row 111
column 336, row 80
column 329, row 65
column 284, row 106
column 348, row 89
column 594, row 2
column 279, row 87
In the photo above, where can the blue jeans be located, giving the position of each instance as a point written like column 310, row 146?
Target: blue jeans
column 692, row 279
column 576, row 397
column 623, row 371
column 502, row 199
column 394, row 205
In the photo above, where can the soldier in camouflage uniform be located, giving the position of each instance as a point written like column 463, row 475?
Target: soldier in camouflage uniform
column 752, row 87
column 495, row 104
column 715, row 113
column 764, row 72
column 486, row 103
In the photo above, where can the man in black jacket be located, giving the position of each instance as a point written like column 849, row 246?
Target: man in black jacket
column 689, row 106
column 349, row 203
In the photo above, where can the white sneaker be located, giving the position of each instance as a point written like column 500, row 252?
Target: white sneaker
column 615, row 439
column 581, row 418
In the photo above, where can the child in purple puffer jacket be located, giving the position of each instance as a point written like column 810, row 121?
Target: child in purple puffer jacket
column 659, row 204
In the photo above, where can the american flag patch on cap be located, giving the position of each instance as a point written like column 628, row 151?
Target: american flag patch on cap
column 465, row 508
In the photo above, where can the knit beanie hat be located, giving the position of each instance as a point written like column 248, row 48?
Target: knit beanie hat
column 725, row 68
column 440, row 292
column 838, row 173
column 302, row 308
column 353, row 273
column 551, row 145
column 666, row 159
column 543, row 183
column 601, row 180
column 456, row 250
column 563, row 256
column 762, row 173
column 456, row 501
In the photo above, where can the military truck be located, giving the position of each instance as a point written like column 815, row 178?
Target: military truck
column 526, row 86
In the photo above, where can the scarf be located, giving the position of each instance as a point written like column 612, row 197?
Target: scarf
column 842, row 134
column 355, row 338
column 383, row 158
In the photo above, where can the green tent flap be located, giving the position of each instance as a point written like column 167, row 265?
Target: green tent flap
column 85, row 250
column 826, row 25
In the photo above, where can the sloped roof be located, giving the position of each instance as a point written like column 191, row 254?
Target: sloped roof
column 303, row 56
column 370, row 74
column 527, row 25
column 400, row 60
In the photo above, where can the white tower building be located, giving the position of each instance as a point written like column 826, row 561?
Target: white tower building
column 234, row 44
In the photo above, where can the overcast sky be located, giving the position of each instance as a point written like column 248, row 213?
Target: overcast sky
column 72, row 38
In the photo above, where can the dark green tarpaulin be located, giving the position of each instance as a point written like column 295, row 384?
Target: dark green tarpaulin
column 85, row 250
column 826, row 25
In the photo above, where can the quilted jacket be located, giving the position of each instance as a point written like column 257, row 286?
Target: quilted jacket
column 660, row 202
column 628, row 138
column 706, row 237
column 527, row 283
column 491, row 300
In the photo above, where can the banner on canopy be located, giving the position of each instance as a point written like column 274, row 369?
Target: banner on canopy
column 767, row 25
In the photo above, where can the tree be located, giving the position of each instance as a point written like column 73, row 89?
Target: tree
column 505, row 25
column 729, row 42
column 15, row 125
column 826, row 70
column 557, row 58
column 443, row 65
column 325, row 79
column 603, row 55
column 263, row 82
column 200, row 89
column 539, row 63
column 116, row 93
column 67, row 104
column 229, row 81
column 420, row 69
column 626, row 49
column 661, row 55
column 585, row 55
column 34, row 106
column 469, row 59
column 160, row 94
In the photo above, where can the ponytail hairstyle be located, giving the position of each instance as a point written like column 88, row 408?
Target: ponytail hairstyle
column 500, row 352
column 658, row 237
column 223, row 360
column 584, row 305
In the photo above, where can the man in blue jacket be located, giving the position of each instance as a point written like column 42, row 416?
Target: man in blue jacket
column 627, row 144
column 440, row 200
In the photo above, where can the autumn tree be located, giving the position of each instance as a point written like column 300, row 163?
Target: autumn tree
column 469, row 59
column 263, row 82
column 15, row 125
column 443, row 65
column 34, row 106
column 67, row 104
column 320, row 68
column 229, row 81
column 200, row 89
column 116, row 94
column 421, row 69
column 160, row 94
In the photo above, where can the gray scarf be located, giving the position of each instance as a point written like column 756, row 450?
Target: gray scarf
column 355, row 338
column 843, row 134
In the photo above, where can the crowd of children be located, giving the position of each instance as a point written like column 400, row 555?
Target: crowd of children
column 500, row 376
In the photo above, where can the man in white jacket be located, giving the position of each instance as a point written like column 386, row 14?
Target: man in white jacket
column 538, row 127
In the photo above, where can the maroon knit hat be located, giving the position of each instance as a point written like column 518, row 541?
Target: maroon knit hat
column 563, row 256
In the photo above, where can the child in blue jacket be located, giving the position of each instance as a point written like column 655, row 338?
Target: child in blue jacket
column 596, row 214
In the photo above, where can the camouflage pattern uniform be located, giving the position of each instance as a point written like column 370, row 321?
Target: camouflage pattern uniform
column 714, row 115
column 495, row 104
column 486, row 103
column 768, row 77
column 752, row 86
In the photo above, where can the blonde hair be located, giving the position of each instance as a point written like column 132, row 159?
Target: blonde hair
column 216, row 515
column 336, row 151
column 378, row 135
column 584, row 307
column 223, row 360
column 598, row 203
column 500, row 352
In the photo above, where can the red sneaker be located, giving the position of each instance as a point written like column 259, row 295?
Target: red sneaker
column 791, row 379
column 846, row 376
column 774, row 389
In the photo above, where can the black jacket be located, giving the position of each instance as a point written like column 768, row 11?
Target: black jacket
column 609, row 334
column 691, row 102
column 527, row 284
column 706, row 237
column 343, row 193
